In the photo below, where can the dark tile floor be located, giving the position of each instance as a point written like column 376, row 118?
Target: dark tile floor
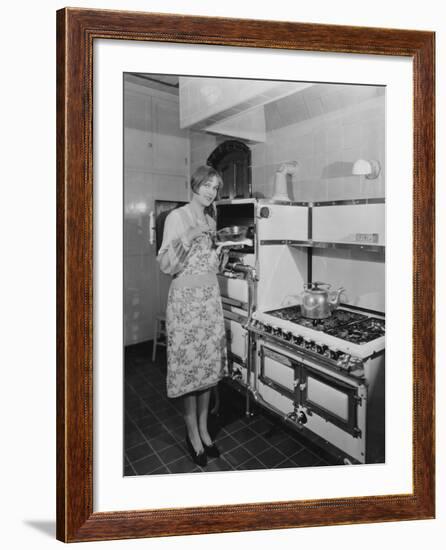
column 154, row 428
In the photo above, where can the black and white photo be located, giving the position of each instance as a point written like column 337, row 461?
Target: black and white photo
column 254, row 274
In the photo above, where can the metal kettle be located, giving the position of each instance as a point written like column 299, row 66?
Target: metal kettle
column 316, row 300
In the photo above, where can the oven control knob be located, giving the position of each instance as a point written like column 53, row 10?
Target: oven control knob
column 297, row 340
column 335, row 354
column 277, row 331
column 267, row 328
column 302, row 417
column 287, row 335
column 320, row 348
column 265, row 212
column 308, row 344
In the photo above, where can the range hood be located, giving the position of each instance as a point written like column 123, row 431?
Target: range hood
column 249, row 125
column 230, row 106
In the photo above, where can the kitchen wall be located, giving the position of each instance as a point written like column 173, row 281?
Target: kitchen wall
column 326, row 128
column 201, row 146
column 155, row 168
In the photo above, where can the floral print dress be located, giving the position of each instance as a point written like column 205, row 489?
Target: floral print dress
column 196, row 342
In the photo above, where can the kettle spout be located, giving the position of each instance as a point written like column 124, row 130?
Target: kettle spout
column 334, row 301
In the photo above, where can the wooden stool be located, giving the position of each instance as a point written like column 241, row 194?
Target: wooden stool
column 160, row 330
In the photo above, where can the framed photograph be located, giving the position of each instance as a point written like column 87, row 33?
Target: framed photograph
column 245, row 275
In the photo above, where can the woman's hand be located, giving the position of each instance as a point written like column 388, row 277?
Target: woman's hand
column 225, row 245
column 192, row 233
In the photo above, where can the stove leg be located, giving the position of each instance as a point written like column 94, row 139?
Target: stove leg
column 248, row 412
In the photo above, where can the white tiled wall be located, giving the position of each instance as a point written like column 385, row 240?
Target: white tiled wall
column 326, row 147
column 157, row 171
column 201, row 146
column 332, row 131
column 361, row 273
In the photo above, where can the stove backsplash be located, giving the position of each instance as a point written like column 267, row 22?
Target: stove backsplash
column 360, row 272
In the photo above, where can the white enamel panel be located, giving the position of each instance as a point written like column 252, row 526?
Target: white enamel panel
column 349, row 223
column 276, row 399
column 327, row 397
column 236, row 289
column 278, row 372
column 237, row 342
column 284, row 222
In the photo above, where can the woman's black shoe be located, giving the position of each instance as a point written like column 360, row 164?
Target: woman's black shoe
column 198, row 458
column 212, row 450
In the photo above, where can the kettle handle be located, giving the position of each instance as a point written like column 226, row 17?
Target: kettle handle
column 315, row 285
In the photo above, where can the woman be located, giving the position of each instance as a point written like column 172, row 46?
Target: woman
column 196, row 346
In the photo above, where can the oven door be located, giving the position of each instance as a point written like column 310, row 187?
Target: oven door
column 278, row 371
column 237, row 346
column 334, row 399
column 234, row 292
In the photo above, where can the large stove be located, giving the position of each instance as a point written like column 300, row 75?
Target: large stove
column 346, row 338
column 326, row 376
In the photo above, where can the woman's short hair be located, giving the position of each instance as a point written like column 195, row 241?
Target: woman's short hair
column 202, row 175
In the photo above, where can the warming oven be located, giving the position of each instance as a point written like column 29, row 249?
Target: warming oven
column 245, row 270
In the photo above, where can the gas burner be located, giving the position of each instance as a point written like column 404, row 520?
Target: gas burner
column 338, row 318
column 361, row 332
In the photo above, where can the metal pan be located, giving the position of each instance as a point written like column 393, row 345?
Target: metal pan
column 233, row 233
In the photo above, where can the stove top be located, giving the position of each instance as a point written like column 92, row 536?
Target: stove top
column 347, row 325
column 338, row 318
column 361, row 332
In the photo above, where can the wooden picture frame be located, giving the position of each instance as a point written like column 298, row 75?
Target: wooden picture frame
column 77, row 29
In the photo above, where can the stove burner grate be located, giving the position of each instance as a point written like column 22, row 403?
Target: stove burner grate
column 338, row 318
column 362, row 332
column 344, row 324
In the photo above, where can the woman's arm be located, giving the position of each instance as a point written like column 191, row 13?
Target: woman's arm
column 175, row 246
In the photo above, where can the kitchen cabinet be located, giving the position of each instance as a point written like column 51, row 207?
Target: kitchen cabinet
column 169, row 151
column 153, row 140
column 138, row 135
column 155, row 167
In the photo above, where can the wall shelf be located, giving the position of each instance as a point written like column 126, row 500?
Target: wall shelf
column 324, row 244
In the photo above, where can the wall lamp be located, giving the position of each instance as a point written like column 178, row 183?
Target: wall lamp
column 368, row 168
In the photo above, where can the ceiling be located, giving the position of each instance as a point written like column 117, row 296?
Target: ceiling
column 315, row 101
column 311, row 102
column 165, row 82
